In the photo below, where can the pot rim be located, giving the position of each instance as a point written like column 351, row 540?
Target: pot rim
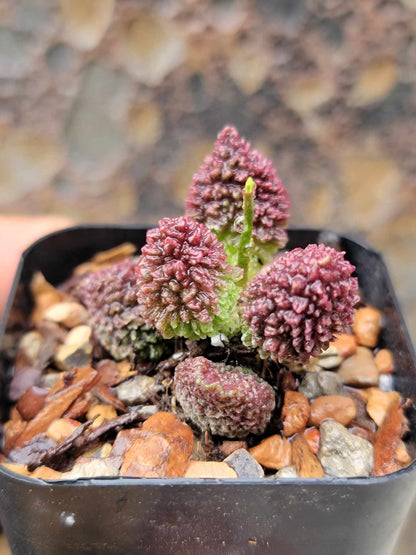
column 128, row 481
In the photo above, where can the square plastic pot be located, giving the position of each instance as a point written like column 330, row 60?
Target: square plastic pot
column 177, row 516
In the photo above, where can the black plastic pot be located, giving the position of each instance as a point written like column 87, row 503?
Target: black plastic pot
column 177, row 516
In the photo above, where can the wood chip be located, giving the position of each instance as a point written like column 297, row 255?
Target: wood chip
column 105, row 259
column 87, row 376
column 388, row 441
column 104, row 394
column 55, row 408
column 306, row 463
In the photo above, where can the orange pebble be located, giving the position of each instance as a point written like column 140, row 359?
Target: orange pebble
column 295, row 413
column 273, row 452
column 61, row 428
column 46, row 473
column 345, row 344
column 367, row 325
column 384, row 361
column 209, row 469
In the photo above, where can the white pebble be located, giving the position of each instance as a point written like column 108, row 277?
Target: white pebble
column 386, row 382
column 68, row 519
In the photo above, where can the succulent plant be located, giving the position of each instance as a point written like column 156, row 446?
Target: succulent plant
column 185, row 286
column 216, row 195
column 226, row 400
column 114, row 315
column 293, row 309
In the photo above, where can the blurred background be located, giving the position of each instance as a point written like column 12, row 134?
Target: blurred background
column 108, row 107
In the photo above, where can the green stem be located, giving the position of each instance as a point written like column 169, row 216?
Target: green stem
column 245, row 245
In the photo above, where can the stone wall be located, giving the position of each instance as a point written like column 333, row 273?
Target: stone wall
column 108, row 107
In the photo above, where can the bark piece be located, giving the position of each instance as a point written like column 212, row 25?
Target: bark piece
column 306, row 463
column 105, row 395
column 80, row 407
column 32, row 450
column 85, row 375
column 12, row 430
column 54, row 408
column 112, row 373
column 124, row 440
column 388, row 440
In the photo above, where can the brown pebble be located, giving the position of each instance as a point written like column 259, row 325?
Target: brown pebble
column 227, row 447
column 337, row 407
column 384, row 361
column 362, row 418
column 112, row 373
column 345, row 344
column 273, row 452
column 209, row 469
column 367, row 325
column 295, row 413
column 359, row 370
column 379, row 403
column 306, row 463
column 31, row 402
